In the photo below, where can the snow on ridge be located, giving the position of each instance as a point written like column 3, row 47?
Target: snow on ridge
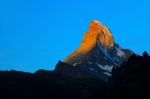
column 106, row 67
column 120, row 52
column 75, row 64
column 106, row 54
column 108, row 74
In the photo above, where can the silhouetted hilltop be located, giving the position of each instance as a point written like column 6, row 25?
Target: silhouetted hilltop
column 47, row 85
column 132, row 79
column 129, row 81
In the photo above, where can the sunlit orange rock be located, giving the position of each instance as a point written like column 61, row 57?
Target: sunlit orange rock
column 97, row 34
column 100, row 32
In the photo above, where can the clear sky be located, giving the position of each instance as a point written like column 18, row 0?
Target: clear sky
column 35, row 34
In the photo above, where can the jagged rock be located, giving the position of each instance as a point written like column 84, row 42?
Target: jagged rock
column 98, row 53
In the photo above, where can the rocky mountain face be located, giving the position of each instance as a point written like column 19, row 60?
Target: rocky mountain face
column 98, row 52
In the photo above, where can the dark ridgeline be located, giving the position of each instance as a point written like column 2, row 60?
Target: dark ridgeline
column 47, row 85
column 129, row 81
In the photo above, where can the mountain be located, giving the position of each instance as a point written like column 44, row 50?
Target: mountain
column 131, row 80
column 98, row 52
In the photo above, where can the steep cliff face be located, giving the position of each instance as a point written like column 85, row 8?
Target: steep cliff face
column 97, row 34
column 98, row 53
column 98, row 42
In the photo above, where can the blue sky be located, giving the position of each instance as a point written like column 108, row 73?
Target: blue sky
column 35, row 34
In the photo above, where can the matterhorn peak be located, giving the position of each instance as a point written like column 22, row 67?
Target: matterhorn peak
column 96, row 34
column 95, row 25
column 98, row 47
column 98, row 31
column 98, row 53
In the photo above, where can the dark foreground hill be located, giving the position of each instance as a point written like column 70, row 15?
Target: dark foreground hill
column 130, row 81
column 47, row 85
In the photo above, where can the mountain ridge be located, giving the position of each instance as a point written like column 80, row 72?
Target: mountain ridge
column 98, row 53
column 97, row 33
column 98, row 36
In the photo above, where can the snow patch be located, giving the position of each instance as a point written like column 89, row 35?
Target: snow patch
column 108, row 74
column 75, row 64
column 106, row 67
column 106, row 54
column 120, row 53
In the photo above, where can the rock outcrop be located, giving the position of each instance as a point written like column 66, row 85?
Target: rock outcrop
column 98, row 52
